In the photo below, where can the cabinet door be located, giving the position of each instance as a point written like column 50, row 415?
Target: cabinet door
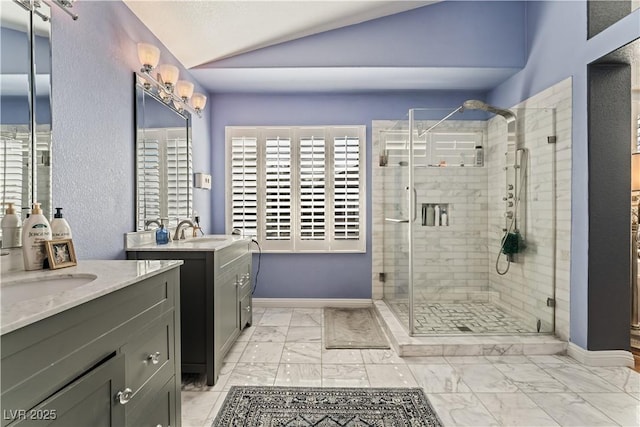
column 90, row 400
column 160, row 411
column 226, row 314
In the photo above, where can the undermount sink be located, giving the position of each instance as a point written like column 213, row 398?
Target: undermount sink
column 201, row 240
column 21, row 290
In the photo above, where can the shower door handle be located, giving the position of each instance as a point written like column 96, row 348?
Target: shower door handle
column 415, row 203
column 397, row 220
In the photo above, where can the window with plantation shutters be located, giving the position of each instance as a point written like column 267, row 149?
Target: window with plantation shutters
column 346, row 195
column 14, row 154
column 179, row 174
column 243, row 183
column 297, row 189
column 164, row 175
column 312, row 176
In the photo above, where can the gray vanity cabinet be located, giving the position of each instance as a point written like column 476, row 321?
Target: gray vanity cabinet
column 112, row 361
column 210, row 296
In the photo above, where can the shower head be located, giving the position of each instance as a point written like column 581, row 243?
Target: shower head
column 474, row 104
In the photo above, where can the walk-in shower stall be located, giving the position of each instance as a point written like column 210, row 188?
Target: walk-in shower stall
column 465, row 200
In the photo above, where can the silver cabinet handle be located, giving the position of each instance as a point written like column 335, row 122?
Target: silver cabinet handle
column 248, row 309
column 154, row 358
column 124, row 396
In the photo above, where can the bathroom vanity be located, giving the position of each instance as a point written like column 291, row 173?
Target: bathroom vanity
column 215, row 295
column 97, row 344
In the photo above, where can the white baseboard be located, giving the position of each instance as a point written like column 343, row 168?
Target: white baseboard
column 600, row 358
column 310, row 302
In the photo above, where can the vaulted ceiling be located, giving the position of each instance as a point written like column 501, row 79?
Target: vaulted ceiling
column 338, row 46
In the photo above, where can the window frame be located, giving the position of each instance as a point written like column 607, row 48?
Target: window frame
column 296, row 244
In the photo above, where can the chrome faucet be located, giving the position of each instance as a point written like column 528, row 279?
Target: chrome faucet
column 151, row 221
column 186, row 222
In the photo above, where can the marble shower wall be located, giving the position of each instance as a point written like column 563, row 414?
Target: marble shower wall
column 529, row 282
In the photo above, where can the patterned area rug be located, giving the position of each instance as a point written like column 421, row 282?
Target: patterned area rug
column 353, row 328
column 326, row 407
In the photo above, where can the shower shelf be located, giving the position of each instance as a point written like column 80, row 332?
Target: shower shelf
column 429, row 217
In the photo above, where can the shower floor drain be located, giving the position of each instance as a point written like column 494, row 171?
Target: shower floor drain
column 463, row 329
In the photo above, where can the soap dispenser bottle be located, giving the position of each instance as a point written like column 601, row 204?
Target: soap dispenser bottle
column 35, row 231
column 59, row 226
column 162, row 235
column 11, row 228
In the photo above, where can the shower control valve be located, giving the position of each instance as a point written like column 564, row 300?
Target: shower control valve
column 510, row 187
column 510, row 204
column 508, row 214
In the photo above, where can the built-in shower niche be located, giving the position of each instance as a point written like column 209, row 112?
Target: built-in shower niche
column 436, row 214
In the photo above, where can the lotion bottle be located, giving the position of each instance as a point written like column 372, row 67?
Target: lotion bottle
column 59, row 226
column 11, row 228
column 437, row 215
column 36, row 230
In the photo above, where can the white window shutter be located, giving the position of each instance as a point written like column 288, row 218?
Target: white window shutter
column 149, row 174
column 347, row 198
column 277, row 186
column 312, row 188
column 244, row 184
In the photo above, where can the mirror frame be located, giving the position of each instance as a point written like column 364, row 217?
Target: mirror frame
column 141, row 94
column 39, row 127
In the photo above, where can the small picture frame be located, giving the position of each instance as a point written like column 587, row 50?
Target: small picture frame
column 60, row 253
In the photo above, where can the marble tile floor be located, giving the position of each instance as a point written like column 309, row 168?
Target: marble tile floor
column 284, row 347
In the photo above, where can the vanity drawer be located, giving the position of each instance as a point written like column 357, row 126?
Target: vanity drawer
column 226, row 256
column 246, row 310
column 243, row 274
column 149, row 351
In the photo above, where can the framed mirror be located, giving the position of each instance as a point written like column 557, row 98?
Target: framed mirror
column 25, row 102
column 164, row 189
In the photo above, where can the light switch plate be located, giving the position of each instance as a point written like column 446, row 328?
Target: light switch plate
column 202, row 180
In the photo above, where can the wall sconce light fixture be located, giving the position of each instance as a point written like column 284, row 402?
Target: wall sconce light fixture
column 162, row 81
column 34, row 6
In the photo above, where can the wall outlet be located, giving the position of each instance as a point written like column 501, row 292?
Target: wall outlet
column 202, row 180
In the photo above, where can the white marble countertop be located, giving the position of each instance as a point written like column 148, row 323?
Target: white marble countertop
column 209, row 242
column 29, row 296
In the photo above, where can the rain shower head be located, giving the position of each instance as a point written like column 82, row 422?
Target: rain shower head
column 474, row 104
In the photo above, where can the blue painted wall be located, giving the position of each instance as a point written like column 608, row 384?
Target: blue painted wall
column 558, row 49
column 93, row 131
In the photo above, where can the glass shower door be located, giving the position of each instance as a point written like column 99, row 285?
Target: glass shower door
column 396, row 208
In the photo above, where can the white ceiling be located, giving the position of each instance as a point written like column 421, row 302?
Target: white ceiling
column 199, row 32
